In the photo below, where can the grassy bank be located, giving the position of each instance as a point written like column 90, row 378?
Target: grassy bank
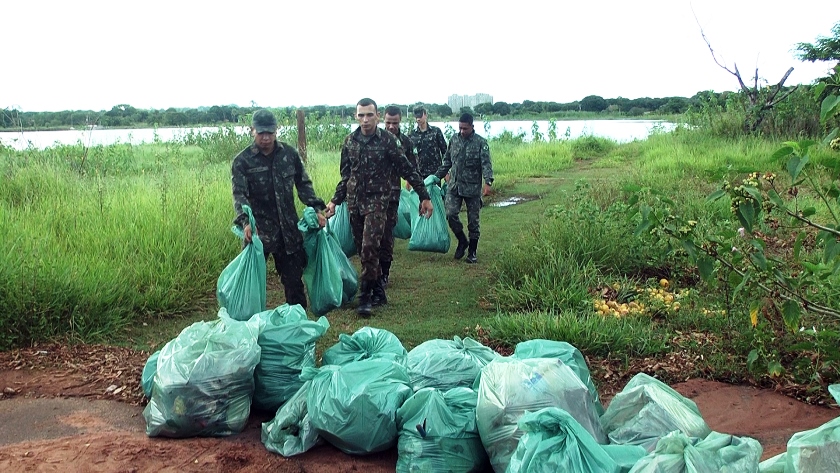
column 123, row 244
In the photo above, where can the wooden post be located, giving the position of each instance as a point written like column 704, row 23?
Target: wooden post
column 301, row 130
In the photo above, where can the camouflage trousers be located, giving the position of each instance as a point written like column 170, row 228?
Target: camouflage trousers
column 290, row 269
column 368, row 232
column 453, row 208
column 386, row 251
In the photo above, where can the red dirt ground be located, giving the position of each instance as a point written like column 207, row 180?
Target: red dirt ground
column 57, row 414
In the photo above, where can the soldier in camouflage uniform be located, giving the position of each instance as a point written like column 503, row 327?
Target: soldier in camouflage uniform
column 430, row 143
column 264, row 177
column 467, row 161
column 369, row 158
column 393, row 117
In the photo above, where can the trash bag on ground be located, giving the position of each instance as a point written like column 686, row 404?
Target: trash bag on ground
column 446, row 364
column 431, row 234
column 148, row 377
column 509, row 387
column 554, row 441
column 646, row 410
column 365, row 343
column 568, row 354
column 287, row 341
column 330, row 278
column 402, row 229
column 290, row 432
column 339, row 226
column 437, row 432
column 677, row 453
column 353, row 406
column 204, row 381
column 814, row 450
column 241, row 286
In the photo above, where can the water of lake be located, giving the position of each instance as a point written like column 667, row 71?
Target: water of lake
column 618, row 130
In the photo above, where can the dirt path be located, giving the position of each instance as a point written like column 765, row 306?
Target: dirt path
column 61, row 413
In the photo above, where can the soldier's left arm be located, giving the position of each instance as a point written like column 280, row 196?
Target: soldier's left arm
column 486, row 163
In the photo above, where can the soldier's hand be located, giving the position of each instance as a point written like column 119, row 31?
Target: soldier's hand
column 487, row 190
column 426, row 208
column 247, row 231
column 330, row 210
column 322, row 219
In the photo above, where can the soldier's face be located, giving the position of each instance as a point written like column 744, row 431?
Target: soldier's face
column 368, row 118
column 421, row 120
column 392, row 123
column 265, row 141
column 465, row 129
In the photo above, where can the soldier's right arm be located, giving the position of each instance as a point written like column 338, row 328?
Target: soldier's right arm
column 344, row 168
column 240, row 192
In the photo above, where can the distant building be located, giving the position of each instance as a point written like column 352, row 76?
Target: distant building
column 455, row 101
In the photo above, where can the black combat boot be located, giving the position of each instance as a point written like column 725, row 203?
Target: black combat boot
column 462, row 245
column 471, row 256
column 385, row 267
column 365, row 307
column 378, row 297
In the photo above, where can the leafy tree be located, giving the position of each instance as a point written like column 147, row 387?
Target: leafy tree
column 823, row 49
column 444, row 110
column 466, row 110
column 484, row 108
column 501, row 108
column 593, row 103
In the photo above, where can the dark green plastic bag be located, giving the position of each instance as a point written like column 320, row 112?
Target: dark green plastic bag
column 365, row 343
column 290, row 432
column 446, row 364
column 510, row 387
column 437, row 432
column 148, row 377
column 431, row 234
column 287, row 344
column 241, row 287
column 554, row 441
column 646, row 410
column 354, row 406
column 677, row 453
column 330, row 278
column 402, row 229
column 204, row 381
column 339, row 226
column 566, row 353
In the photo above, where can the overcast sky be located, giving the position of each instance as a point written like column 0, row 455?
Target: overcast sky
column 92, row 55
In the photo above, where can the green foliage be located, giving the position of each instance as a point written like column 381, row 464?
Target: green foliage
column 589, row 146
column 593, row 103
column 754, row 263
column 592, row 334
column 825, row 48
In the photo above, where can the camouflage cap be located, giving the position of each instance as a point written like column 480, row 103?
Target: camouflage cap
column 419, row 111
column 264, row 121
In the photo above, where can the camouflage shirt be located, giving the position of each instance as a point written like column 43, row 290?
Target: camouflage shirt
column 410, row 153
column 431, row 146
column 368, row 165
column 266, row 184
column 467, row 160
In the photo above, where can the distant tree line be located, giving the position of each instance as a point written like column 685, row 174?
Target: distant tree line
column 126, row 116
